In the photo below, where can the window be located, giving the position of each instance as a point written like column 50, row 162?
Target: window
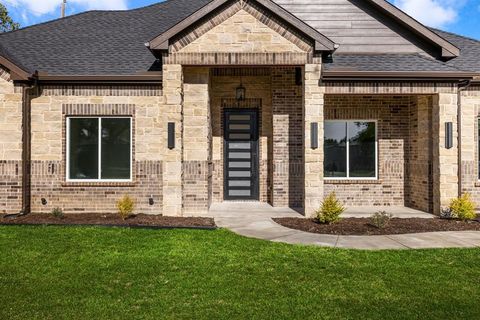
column 99, row 149
column 350, row 150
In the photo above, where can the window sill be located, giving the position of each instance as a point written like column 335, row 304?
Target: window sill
column 102, row 184
column 351, row 181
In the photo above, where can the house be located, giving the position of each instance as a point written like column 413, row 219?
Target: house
column 186, row 103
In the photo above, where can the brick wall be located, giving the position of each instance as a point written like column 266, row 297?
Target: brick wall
column 49, row 112
column 10, row 145
column 403, row 156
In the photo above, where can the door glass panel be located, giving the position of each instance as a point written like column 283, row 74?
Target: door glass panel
column 240, row 164
column 244, row 117
column 239, row 127
column 237, row 193
column 239, row 136
column 239, row 183
column 239, row 145
column 239, row 174
column 239, row 155
column 83, row 151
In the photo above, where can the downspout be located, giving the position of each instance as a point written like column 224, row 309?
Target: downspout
column 26, row 145
column 462, row 86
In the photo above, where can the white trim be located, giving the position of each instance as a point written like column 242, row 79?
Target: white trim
column 348, row 152
column 99, row 173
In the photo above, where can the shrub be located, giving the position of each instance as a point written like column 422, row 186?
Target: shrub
column 57, row 213
column 380, row 219
column 463, row 208
column 125, row 207
column 330, row 210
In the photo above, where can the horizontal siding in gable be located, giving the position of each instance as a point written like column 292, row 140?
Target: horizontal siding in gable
column 356, row 30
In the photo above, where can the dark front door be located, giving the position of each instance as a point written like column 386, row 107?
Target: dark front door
column 241, row 154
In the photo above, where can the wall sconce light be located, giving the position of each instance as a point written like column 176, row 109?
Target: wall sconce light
column 241, row 92
column 449, row 135
column 171, row 135
column 44, row 201
column 151, row 201
column 314, row 135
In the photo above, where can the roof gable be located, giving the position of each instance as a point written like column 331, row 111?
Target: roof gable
column 166, row 39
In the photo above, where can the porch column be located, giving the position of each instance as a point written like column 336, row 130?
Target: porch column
column 172, row 158
column 196, row 139
column 313, row 112
column 445, row 161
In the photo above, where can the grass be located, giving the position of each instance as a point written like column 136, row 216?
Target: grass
column 97, row 273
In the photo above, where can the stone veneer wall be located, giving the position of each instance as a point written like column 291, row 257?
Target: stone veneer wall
column 10, row 145
column 49, row 112
column 470, row 142
column 403, row 151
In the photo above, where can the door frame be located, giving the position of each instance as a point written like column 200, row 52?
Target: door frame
column 255, row 196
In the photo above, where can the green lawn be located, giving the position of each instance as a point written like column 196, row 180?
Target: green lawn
column 97, row 273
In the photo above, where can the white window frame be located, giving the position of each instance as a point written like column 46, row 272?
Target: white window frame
column 99, row 179
column 348, row 152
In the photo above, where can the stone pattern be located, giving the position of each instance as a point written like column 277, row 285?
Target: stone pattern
column 400, row 181
column 470, row 111
column 49, row 114
column 196, row 141
column 313, row 113
column 10, row 145
column 445, row 161
column 288, row 164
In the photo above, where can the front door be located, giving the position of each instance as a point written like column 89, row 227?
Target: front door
column 241, row 154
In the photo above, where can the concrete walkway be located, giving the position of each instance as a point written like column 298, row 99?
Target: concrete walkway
column 253, row 219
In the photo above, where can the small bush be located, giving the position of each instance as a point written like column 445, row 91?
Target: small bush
column 125, row 207
column 381, row 219
column 57, row 213
column 330, row 210
column 463, row 208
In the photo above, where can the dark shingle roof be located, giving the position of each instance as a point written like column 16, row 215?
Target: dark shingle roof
column 95, row 42
column 386, row 63
column 469, row 59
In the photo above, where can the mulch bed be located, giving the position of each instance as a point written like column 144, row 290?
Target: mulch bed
column 363, row 226
column 141, row 220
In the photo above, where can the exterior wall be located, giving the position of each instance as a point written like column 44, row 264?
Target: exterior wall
column 354, row 25
column 470, row 143
column 196, row 141
column 257, row 82
column 403, row 150
column 10, row 145
column 49, row 112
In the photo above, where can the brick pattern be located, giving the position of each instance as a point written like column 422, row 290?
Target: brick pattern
column 391, row 87
column 102, row 90
column 10, row 186
column 239, row 59
column 403, row 159
column 258, row 86
column 48, row 182
column 288, row 165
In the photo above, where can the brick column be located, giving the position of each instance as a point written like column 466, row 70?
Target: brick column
column 313, row 112
column 172, row 159
column 445, row 161
column 196, row 139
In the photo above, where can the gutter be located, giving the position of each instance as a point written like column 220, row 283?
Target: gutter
column 462, row 86
column 26, row 145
